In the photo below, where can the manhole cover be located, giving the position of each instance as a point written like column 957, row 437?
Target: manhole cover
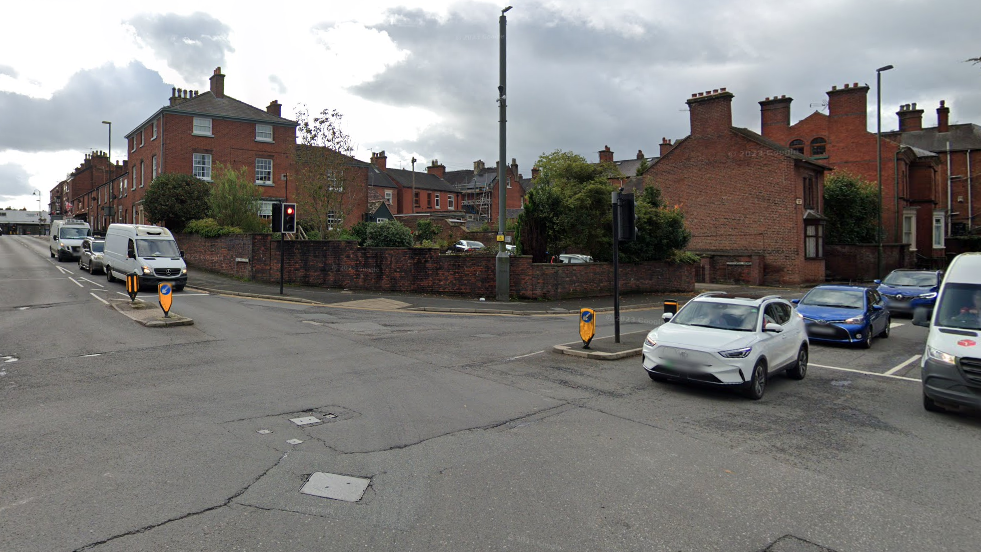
column 337, row 487
column 307, row 420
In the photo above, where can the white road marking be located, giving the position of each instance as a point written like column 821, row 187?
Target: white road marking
column 77, row 283
column 864, row 372
column 92, row 282
column 63, row 271
column 99, row 298
column 92, row 355
column 523, row 356
column 896, row 325
column 903, row 365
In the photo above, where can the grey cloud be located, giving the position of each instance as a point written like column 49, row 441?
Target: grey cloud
column 278, row 85
column 577, row 87
column 72, row 117
column 14, row 182
column 193, row 45
column 8, row 70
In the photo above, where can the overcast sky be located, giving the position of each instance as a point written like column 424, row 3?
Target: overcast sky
column 420, row 78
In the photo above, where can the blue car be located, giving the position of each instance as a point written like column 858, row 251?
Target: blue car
column 844, row 314
column 905, row 291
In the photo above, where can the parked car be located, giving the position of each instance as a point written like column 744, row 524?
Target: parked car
column 66, row 238
column 951, row 362
column 844, row 314
column 467, row 245
column 92, row 255
column 728, row 342
column 904, row 290
column 574, row 258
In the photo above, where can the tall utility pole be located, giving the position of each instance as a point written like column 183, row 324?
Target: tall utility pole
column 109, row 182
column 503, row 259
column 878, row 163
column 413, row 185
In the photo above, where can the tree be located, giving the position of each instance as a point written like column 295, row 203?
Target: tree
column 235, row 200
column 325, row 186
column 642, row 168
column 427, row 230
column 851, row 206
column 390, row 233
column 174, row 199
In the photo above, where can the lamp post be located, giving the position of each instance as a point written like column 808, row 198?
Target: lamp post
column 503, row 259
column 109, row 180
column 40, row 219
column 413, row 185
column 878, row 163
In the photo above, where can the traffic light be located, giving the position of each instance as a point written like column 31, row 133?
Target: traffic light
column 289, row 218
column 627, row 229
column 277, row 217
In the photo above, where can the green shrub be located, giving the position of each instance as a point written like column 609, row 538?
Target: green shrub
column 389, row 234
column 684, row 257
column 209, row 228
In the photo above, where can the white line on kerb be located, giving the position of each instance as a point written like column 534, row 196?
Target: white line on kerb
column 77, row 283
column 523, row 356
column 864, row 372
column 903, row 365
column 99, row 298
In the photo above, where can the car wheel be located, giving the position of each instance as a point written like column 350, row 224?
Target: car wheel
column 51, row 253
column 885, row 331
column 109, row 277
column 800, row 369
column 178, row 288
column 757, row 384
column 656, row 377
column 867, row 342
column 91, row 268
column 80, row 267
column 930, row 405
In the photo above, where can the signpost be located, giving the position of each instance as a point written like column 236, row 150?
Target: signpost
column 132, row 286
column 587, row 326
column 166, row 294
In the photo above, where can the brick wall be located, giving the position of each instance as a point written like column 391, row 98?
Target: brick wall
column 858, row 263
column 342, row 264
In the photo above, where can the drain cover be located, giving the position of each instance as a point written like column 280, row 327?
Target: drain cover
column 337, row 487
column 305, row 420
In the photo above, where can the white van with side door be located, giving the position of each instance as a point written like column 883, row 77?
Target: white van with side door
column 147, row 251
column 66, row 238
column 951, row 363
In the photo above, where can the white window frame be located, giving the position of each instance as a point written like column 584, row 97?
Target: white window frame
column 938, row 229
column 199, row 125
column 260, row 133
column 388, row 197
column 437, row 201
column 153, row 134
column 333, row 220
column 202, row 160
column 263, row 171
column 909, row 230
column 142, row 175
column 449, row 201
column 266, row 209
column 132, row 143
column 142, row 135
column 153, row 168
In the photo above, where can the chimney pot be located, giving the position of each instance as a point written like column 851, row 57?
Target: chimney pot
column 694, row 95
column 722, row 89
column 783, row 96
column 914, row 106
column 942, row 102
column 766, row 99
column 854, row 85
column 846, row 85
column 834, row 87
column 640, row 154
column 715, row 91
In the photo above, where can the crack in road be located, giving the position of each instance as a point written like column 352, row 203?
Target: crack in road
column 146, row 528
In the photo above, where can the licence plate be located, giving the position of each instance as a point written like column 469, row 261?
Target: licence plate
column 821, row 330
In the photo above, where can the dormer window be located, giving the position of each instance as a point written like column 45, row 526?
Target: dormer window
column 818, row 147
column 797, row 146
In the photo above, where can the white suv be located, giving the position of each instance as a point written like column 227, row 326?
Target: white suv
column 728, row 341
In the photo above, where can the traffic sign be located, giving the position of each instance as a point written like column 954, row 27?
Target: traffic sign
column 166, row 294
column 132, row 285
column 587, row 326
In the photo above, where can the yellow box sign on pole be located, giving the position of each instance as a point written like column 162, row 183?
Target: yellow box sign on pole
column 587, row 326
column 132, row 286
column 166, row 293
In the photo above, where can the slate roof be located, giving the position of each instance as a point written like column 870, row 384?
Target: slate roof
column 424, row 181
column 961, row 137
column 467, row 180
column 378, row 179
column 629, row 166
column 208, row 105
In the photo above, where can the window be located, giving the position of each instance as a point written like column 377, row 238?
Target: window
column 335, row 182
column 938, row 230
column 449, row 201
column 909, row 230
column 202, row 127
column 415, row 200
column 813, row 240
column 332, row 220
column 388, row 197
column 818, row 146
column 265, row 209
column 153, row 170
column 142, row 133
column 437, row 201
column 429, row 200
column 263, row 172
column 810, row 193
column 509, row 182
column 263, row 133
column 141, row 175
column 797, row 146
column 202, row 166
column 153, row 134
column 132, row 144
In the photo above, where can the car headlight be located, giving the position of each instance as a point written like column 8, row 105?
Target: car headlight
column 64, row 246
column 737, row 353
column 147, row 270
column 940, row 356
column 183, row 271
column 930, row 295
column 97, row 255
column 855, row 320
column 651, row 340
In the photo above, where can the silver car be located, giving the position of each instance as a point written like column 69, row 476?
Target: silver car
column 91, row 257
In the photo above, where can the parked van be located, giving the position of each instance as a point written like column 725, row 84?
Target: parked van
column 66, row 238
column 148, row 251
column 952, row 359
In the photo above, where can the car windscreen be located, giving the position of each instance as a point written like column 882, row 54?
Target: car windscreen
column 840, row 298
column 98, row 246
column 960, row 307
column 920, row 279
column 157, row 248
column 73, row 233
column 724, row 316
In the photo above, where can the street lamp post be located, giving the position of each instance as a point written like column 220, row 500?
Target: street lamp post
column 878, row 163
column 503, row 259
column 40, row 219
column 109, row 180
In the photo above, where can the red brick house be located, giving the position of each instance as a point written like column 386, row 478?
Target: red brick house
column 912, row 198
column 78, row 195
column 630, row 181
column 430, row 192
column 196, row 131
column 480, row 191
column 753, row 207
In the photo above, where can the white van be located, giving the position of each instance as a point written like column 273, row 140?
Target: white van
column 952, row 358
column 149, row 251
column 66, row 238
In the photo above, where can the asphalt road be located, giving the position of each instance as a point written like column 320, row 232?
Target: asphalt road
column 472, row 435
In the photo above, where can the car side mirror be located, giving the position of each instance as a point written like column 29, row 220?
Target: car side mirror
column 54, row 238
column 182, row 253
column 877, row 307
column 796, row 301
column 130, row 255
column 773, row 327
column 877, row 282
column 921, row 317
column 667, row 316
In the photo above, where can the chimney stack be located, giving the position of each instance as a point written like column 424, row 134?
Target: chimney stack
column 774, row 114
column 606, row 155
column 379, row 160
column 218, row 83
column 436, row 168
column 534, row 172
column 478, row 166
column 640, row 154
column 275, row 108
column 666, row 146
column 848, row 108
column 910, row 118
column 943, row 117
column 710, row 112
column 514, row 167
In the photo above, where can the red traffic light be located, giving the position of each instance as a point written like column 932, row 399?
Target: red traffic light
column 289, row 210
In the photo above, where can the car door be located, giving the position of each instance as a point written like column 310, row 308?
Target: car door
column 874, row 315
column 879, row 308
column 777, row 344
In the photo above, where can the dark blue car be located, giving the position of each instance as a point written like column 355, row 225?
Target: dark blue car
column 844, row 314
column 905, row 291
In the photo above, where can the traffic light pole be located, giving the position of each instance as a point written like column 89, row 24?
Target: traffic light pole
column 616, row 265
column 282, row 256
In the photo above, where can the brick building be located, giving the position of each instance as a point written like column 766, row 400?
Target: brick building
column 630, row 181
column 76, row 196
column 480, row 191
column 194, row 132
column 912, row 197
column 753, row 206
column 430, row 192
